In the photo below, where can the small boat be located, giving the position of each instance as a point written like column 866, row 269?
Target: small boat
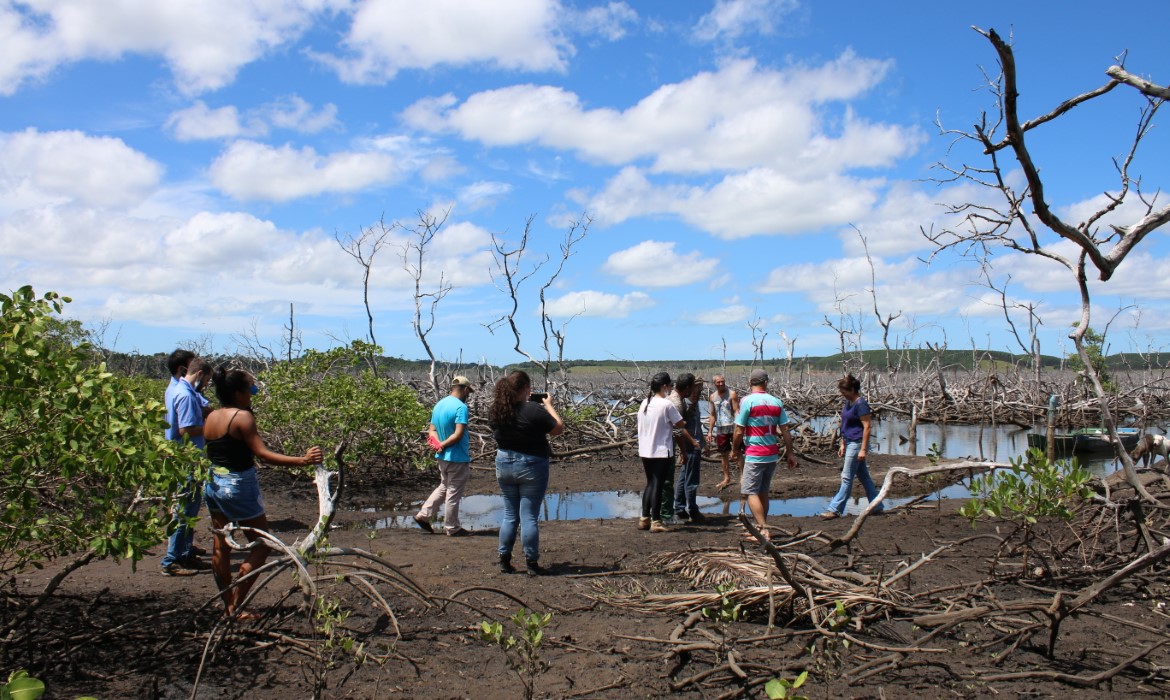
column 1086, row 440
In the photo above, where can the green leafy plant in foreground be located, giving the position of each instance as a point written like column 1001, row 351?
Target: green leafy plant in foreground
column 728, row 611
column 87, row 467
column 21, row 686
column 523, row 651
column 1032, row 488
column 782, row 688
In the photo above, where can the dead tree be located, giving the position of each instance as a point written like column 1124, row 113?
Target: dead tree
column 884, row 320
column 363, row 248
column 413, row 256
column 510, row 275
column 1001, row 135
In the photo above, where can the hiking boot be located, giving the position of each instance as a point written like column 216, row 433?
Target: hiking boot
column 198, row 551
column 643, row 523
column 657, row 526
column 535, row 569
column 506, row 565
column 176, row 568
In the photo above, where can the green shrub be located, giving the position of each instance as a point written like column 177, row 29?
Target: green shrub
column 87, row 465
column 322, row 398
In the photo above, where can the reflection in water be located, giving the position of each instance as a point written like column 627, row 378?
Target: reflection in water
column 1000, row 444
column 484, row 511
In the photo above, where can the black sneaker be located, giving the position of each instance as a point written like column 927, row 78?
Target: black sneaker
column 423, row 523
column 506, row 565
column 682, row 517
column 458, row 532
column 198, row 551
column 177, row 569
column 697, row 517
column 535, row 569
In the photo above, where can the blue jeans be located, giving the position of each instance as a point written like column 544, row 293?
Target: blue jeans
column 179, row 545
column 853, row 468
column 523, row 479
column 686, row 486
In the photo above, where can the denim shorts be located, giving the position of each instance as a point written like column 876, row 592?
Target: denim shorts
column 235, row 495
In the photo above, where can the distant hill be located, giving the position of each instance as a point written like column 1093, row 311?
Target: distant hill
column 155, row 365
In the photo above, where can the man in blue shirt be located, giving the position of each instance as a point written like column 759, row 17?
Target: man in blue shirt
column 185, row 407
column 447, row 433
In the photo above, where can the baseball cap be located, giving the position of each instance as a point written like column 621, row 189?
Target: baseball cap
column 758, row 376
column 460, row 380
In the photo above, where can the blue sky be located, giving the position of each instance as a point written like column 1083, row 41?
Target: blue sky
column 181, row 169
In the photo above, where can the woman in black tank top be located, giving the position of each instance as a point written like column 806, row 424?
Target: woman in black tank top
column 233, row 493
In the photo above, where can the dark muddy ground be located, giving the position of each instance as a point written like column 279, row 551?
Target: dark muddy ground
column 117, row 632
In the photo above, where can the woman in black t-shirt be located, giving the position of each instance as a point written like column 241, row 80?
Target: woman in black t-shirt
column 521, row 427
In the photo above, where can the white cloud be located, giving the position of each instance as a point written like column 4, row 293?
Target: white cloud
column 844, row 284
column 392, row 35
column 200, row 122
column 294, row 113
column 657, row 264
column 739, row 117
column 598, row 304
column 732, row 18
column 248, row 171
column 204, row 43
column 607, row 21
column 727, row 315
column 64, row 166
column 484, row 193
column 759, row 201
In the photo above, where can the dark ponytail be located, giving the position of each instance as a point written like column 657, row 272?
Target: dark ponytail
column 228, row 382
column 656, row 383
column 849, row 383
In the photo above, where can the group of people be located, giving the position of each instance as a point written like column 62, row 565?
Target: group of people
column 747, row 431
column 231, row 442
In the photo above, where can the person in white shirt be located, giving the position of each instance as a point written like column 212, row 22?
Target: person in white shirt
column 657, row 420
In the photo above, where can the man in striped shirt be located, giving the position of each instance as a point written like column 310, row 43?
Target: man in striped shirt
column 761, row 419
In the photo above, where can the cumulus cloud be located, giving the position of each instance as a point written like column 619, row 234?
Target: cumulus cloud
column 657, row 264
column 204, row 43
column 608, row 21
column 740, row 117
column 843, row 285
column 598, row 304
column 725, row 316
column 70, row 166
column 200, row 122
column 759, row 201
column 482, row 194
column 387, row 36
column 248, row 170
column 730, row 19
